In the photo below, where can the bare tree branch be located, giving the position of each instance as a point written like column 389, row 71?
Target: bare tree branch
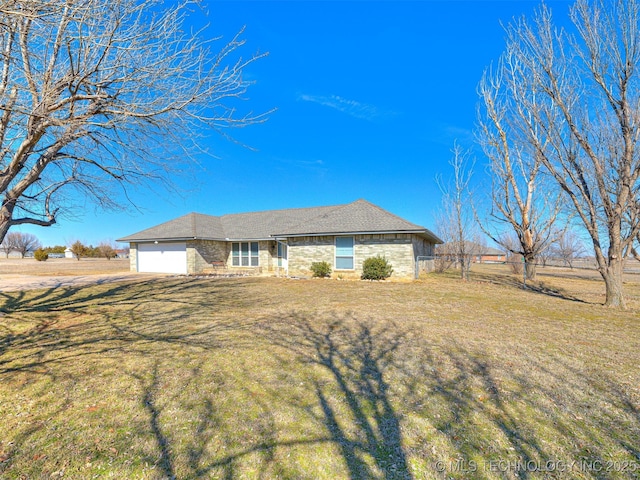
column 576, row 111
column 98, row 96
column 456, row 223
column 522, row 200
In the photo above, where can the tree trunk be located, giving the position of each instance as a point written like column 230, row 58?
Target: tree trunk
column 530, row 267
column 5, row 223
column 465, row 266
column 612, row 277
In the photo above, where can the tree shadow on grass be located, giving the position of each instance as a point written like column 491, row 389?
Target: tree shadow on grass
column 544, row 419
column 112, row 317
column 149, row 403
column 538, row 286
column 150, row 322
column 385, row 395
column 395, row 405
column 209, row 448
column 353, row 391
column 353, row 405
column 136, row 292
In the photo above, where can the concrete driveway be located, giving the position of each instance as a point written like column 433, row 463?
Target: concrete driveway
column 15, row 282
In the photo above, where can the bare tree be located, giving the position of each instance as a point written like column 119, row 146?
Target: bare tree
column 544, row 256
column 634, row 249
column 107, row 250
column 444, row 256
column 582, row 93
column 25, row 242
column 456, row 223
column 522, row 199
column 568, row 247
column 98, row 96
column 8, row 243
column 515, row 260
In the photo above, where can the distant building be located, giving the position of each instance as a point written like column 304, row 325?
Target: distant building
column 478, row 253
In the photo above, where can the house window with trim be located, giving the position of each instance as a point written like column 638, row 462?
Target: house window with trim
column 244, row 254
column 282, row 254
column 344, row 253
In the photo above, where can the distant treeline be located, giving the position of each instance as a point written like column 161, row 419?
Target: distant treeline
column 105, row 250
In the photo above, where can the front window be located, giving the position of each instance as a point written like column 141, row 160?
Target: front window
column 244, row 254
column 282, row 254
column 344, row 253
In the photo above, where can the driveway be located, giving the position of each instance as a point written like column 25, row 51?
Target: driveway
column 15, row 282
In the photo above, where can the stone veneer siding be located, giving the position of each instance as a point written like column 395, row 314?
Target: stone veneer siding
column 200, row 254
column 400, row 249
column 303, row 251
column 133, row 257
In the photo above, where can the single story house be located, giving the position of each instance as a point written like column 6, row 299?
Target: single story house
column 282, row 242
column 491, row 255
column 477, row 252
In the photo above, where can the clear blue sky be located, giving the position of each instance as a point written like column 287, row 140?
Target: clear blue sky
column 370, row 96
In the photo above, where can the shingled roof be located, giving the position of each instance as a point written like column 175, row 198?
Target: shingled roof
column 357, row 217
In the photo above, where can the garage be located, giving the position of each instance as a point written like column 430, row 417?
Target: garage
column 162, row 257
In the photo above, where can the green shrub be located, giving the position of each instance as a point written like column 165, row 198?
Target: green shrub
column 40, row 255
column 321, row 269
column 376, row 268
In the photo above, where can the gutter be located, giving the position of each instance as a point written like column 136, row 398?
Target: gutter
column 427, row 233
column 185, row 239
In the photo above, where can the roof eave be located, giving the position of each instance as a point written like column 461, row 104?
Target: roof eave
column 424, row 232
column 243, row 239
column 165, row 239
column 184, row 239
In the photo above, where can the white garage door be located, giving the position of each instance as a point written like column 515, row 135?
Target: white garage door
column 162, row 257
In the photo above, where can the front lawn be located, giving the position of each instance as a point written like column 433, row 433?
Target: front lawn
column 320, row 379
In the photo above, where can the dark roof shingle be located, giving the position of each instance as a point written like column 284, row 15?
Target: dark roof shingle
column 357, row 217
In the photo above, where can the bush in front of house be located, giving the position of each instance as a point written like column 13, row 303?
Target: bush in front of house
column 321, row 269
column 376, row 268
column 40, row 255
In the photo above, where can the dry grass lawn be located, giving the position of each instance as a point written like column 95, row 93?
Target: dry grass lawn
column 265, row 378
column 62, row 266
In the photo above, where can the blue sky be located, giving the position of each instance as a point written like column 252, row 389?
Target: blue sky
column 370, row 97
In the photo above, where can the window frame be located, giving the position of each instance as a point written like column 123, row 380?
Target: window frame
column 337, row 257
column 282, row 253
column 245, row 254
